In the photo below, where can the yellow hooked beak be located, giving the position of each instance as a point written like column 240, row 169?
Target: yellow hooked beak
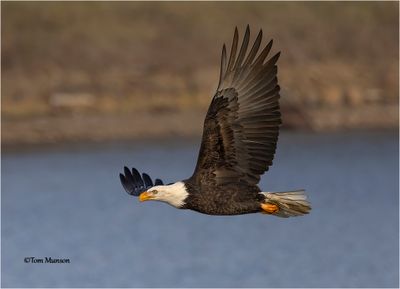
column 145, row 196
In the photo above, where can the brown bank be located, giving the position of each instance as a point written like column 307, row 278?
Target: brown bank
column 97, row 71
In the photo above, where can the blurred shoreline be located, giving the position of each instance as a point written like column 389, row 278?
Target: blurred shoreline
column 96, row 71
column 77, row 128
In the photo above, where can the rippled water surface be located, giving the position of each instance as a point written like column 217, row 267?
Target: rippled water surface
column 69, row 204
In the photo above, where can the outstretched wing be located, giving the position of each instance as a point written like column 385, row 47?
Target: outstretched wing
column 134, row 184
column 242, row 123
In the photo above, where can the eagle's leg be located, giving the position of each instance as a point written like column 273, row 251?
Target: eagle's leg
column 269, row 208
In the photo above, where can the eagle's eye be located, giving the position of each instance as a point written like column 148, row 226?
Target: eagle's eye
column 154, row 192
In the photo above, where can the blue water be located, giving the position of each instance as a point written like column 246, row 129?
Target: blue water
column 68, row 203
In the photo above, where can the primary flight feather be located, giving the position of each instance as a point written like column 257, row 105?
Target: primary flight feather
column 239, row 140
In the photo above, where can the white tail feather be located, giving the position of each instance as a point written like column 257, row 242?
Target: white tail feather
column 291, row 204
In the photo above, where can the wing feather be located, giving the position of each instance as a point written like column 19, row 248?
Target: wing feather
column 233, row 51
column 134, row 184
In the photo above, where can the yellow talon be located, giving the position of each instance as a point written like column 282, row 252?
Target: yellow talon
column 269, row 208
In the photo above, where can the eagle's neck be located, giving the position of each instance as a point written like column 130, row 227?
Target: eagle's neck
column 175, row 194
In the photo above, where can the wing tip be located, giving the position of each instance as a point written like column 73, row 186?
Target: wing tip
column 134, row 183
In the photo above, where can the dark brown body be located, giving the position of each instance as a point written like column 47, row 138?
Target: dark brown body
column 234, row 199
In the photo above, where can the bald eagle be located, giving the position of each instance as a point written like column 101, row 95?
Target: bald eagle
column 239, row 140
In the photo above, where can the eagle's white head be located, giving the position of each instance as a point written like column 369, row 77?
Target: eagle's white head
column 174, row 194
